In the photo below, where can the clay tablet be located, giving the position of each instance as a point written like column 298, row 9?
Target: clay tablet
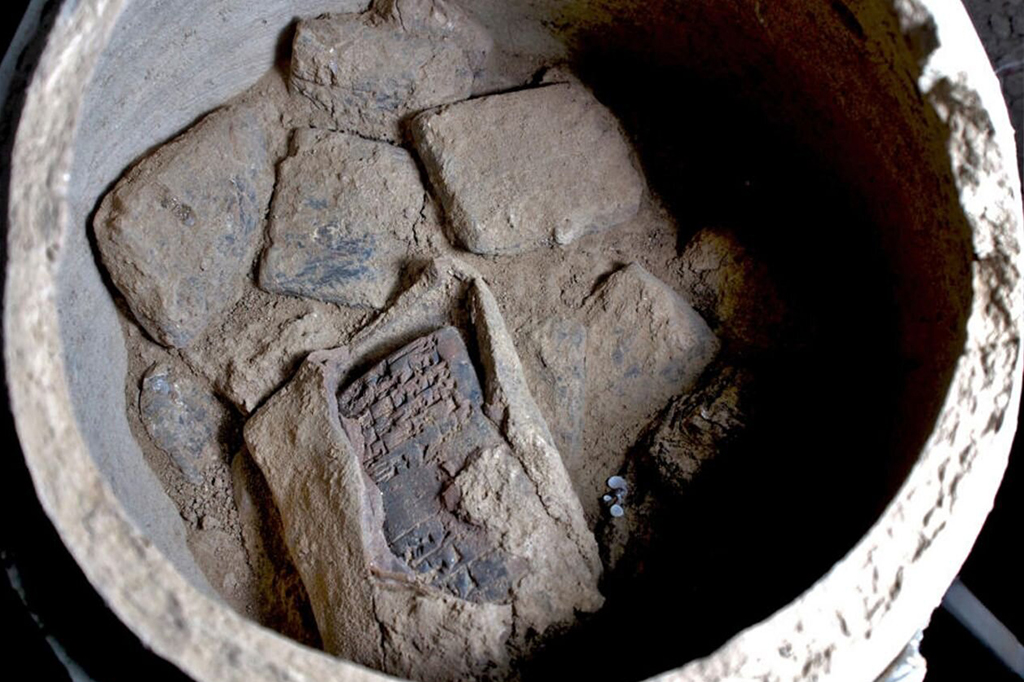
column 443, row 20
column 421, row 497
column 555, row 359
column 416, row 419
column 367, row 73
column 183, row 419
column 735, row 291
column 179, row 232
column 342, row 215
column 701, row 425
column 520, row 170
column 645, row 345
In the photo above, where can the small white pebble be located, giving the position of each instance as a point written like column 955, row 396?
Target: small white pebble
column 617, row 483
column 617, row 510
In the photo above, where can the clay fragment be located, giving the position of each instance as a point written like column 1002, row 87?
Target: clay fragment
column 417, row 419
column 183, row 418
column 252, row 352
column 367, row 72
column 445, row 20
column 256, row 369
column 733, row 290
column 554, row 359
column 700, row 425
column 284, row 604
column 341, row 220
column 179, row 232
column 421, row 497
column 645, row 345
column 524, row 169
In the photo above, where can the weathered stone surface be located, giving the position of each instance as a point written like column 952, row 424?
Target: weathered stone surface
column 522, row 169
column 183, row 418
column 179, row 232
column 368, row 72
column 342, row 216
column 700, row 425
column 554, row 359
column 417, row 419
column 645, row 345
column 733, row 290
column 409, row 512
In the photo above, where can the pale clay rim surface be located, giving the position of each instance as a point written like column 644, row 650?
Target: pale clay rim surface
column 849, row 625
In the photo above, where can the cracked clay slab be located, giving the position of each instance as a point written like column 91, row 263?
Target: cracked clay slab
column 183, row 418
column 554, row 358
column 179, row 232
column 645, row 345
column 421, row 496
column 416, row 419
column 524, row 169
column 367, row 72
column 341, row 219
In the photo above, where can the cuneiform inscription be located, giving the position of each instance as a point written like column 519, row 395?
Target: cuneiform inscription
column 416, row 419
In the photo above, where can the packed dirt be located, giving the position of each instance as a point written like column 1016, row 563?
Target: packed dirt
column 376, row 210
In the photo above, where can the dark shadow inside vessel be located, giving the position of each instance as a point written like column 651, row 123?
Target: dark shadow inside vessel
column 825, row 448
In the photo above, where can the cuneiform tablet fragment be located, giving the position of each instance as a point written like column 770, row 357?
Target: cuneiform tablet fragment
column 417, row 419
